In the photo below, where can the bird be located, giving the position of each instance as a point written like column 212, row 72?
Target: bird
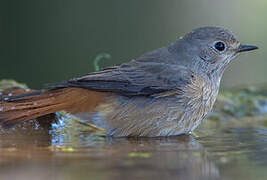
column 166, row 92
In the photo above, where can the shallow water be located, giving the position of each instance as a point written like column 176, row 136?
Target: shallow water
column 219, row 151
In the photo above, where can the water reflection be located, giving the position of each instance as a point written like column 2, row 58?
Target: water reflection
column 176, row 157
column 248, row 141
column 105, row 158
column 226, row 152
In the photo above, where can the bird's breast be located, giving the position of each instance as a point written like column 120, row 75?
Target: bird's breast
column 201, row 92
column 199, row 97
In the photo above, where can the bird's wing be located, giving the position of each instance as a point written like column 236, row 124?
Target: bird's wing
column 135, row 78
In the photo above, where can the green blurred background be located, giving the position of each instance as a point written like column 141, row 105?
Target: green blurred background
column 45, row 41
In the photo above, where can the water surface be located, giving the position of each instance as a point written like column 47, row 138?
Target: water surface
column 219, row 151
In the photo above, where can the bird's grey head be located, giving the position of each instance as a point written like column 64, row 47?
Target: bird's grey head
column 208, row 50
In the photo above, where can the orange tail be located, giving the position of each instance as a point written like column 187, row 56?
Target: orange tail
column 28, row 106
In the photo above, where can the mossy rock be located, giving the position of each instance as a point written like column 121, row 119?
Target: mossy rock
column 241, row 102
column 10, row 84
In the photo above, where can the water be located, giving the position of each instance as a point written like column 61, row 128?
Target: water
column 219, row 151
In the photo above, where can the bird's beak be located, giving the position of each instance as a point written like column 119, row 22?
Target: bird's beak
column 243, row 48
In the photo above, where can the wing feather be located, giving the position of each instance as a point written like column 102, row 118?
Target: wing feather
column 135, row 78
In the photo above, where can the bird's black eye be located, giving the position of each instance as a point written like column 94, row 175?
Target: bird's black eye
column 220, row 46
